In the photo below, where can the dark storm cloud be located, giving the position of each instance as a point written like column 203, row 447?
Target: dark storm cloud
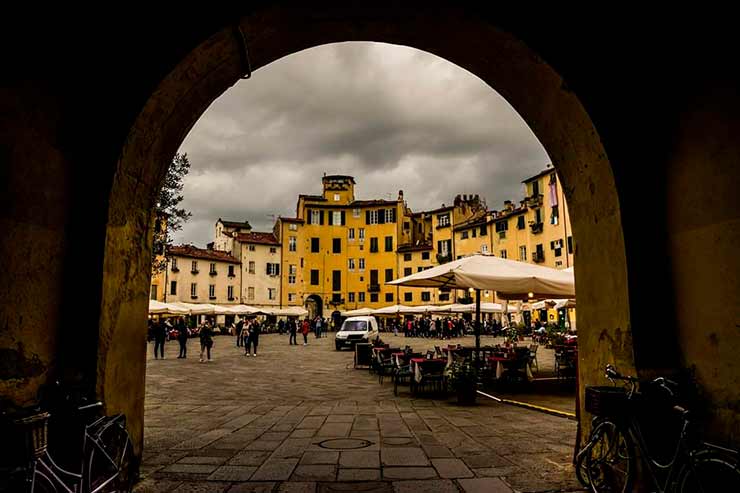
column 393, row 117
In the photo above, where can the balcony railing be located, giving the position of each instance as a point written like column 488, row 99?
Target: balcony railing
column 535, row 200
column 373, row 288
column 213, row 273
column 232, row 274
column 194, row 271
column 211, row 297
column 535, row 227
column 193, row 296
column 502, row 235
column 443, row 259
column 175, row 269
column 538, row 257
column 231, row 298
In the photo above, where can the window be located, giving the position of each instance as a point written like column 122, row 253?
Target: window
column 408, row 297
column 502, row 226
column 535, row 187
column 503, row 253
column 314, row 245
column 523, row 253
column 291, row 274
column 314, row 277
column 426, row 296
column 407, row 271
column 336, row 280
column 554, row 215
column 407, row 257
column 388, row 243
column 483, row 231
column 406, row 225
column 473, row 232
column 355, row 212
column 193, row 290
column 425, row 255
column 301, row 262
column 291, row 297
column 213, row 268
column 557, row 247
column 351, row 297
column 212, row 291
column 230, row 292
column 419, row 269
column 388, row 275
column 231, row 271
column 351, row 234
column 443, row 219
column 362, row 264
column 373, row 245
column 173, row 287
column 444, row 247
column 174, row 264
column 540, row 252
column 444, row 297
column 361, row 297
column 292, row 244
column 250, row 293
column 351, row 264
column 336, row 217
column 194, row 267
column 483, row 248
column 390, row 215
column 464, row 235
column 271, row 293
column 538, row 216
column 273, row 269
column 251, row 266
column 371, row 217
column 293, row 227
column 336, row 245
column 153, row 292
column 373, row 297
column 336, row 198
column 389, row 297
column 251, row 248
column 316, row 217
column 570, row 244
column 362, row 234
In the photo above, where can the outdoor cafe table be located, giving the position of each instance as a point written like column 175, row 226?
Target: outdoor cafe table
column 417, row 362
column 501, row 362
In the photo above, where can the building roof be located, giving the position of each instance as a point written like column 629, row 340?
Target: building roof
column 540, row 174
column 191, row 251
column 507, row 214
column 258, row 238
column 411, row 247
column 235, row 224
column 439, row 209
column 312, row 197
column 473, row 222
column 291, row 219
column 338, row 177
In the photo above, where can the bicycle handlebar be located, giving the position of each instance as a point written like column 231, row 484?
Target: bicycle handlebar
column 613, row 374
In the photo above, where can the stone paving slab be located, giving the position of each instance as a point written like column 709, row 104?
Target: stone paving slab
column 325, row 427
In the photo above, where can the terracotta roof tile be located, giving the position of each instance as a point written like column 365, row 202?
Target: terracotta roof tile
column 258, row 238
column 192, row 251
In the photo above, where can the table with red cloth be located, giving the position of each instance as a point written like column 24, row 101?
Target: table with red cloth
column 418, row 363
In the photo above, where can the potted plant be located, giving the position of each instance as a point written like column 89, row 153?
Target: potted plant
column 462, row 378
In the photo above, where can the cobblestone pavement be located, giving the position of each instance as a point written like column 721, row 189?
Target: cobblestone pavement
column 301, row 419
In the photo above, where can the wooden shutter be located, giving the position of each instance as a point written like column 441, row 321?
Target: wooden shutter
column 344, row 218
column 381, row 216
column 321, row 218
column 393, row 215
column 367, row 217
column 331, row 217
column 308, row 219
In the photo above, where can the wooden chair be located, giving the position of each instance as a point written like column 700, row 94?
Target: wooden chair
column 533, row 356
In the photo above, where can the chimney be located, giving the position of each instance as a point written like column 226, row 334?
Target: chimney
column 400, row 195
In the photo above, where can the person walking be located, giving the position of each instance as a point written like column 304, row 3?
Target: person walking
column 239, row 328
column 292, row 329
column 304, row 330
column 254, row 337
column 247, row 335
column 318, row 327
column 206, row 340
column 182, row 337
column 160, row 334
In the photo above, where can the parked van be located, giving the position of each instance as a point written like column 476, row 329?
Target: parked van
column 356, row 329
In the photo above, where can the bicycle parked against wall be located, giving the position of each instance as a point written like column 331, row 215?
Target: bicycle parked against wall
column 106, row 448
column 607, row 463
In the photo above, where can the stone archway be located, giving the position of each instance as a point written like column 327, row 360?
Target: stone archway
column 555, row 115
column 314, row 305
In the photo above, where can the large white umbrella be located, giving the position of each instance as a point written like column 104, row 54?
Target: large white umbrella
column 393, row 310
column 289, row 311
column 243, row 310
column 509, row 278
column 157, row 307
column 359, row 312
column 485, row 307
column 196, row 308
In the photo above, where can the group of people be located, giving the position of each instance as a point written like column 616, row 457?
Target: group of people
column 442, row 328
column 247, row 334
column 317, row 325
column 160, row 329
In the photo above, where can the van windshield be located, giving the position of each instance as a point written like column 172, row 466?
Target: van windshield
column 354, row 326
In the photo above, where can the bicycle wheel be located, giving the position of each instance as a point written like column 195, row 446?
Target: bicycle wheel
column 709, row 471
column 610, row 463
column 109, row 453
column 581, row 465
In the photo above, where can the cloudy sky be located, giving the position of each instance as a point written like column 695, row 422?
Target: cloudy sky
column 391, row 116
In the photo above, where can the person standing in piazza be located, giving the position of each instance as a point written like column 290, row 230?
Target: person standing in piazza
column 206, row 340
column 182, row 337
column 304, row 329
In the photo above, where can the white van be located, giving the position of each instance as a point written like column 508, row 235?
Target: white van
column 356, row 329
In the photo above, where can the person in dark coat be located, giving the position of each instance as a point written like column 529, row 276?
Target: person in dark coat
column 254, row 337
column 182, row 337
column 206, row 340
column 160, row 334
column 239, row 328
column 293, row 326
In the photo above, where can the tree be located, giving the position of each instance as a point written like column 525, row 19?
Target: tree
column 169, row 217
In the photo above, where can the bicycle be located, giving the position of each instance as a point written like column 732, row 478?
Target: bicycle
column 105, row 449
column 607, row 463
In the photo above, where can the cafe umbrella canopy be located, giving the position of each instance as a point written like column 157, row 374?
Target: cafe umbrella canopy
column 510, row 279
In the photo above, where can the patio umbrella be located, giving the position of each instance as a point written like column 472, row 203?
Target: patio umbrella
column 393, row 310
column 360, row 312
column 288, row 311
column 196, row 308
column 510, row 279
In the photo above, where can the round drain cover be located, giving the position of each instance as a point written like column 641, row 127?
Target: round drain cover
column 397, row 441
column 344, row 443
